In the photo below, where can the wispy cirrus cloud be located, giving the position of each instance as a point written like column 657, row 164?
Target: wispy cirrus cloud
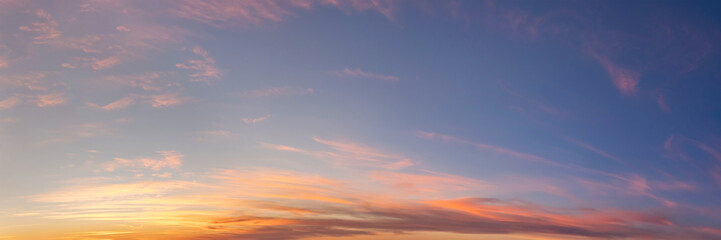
column 10, row 102
column 357, row 72
column 168, row 100
column 34, row 81
column 224, row 14
column 497, row 149
column 116, row 105
column 49, row 100
column 169, row 159
column 155, row 100
column 593, row 149
column 92, row 62
column 351, row 154
column 205, row 69
column 80, row 131
column 46, row 29
column 206, row 136
column 256, row 120
column 149, row 81
column 625, row 80
column 276, row 91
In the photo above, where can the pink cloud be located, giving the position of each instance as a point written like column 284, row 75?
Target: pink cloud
column 276, row 91
column 10, row 102
column 283, row 148
column 167, row 100
column 348, row 153
column 47, row 29
column 624, row 79
column 360, row 73
column 633, row 185
column 94, row 63
column 593, row 149
column 150, row 81
column 170, row 159
column 122, row 29
column 256, row 120
column 205, row 69
column 50, row 100
column 497, row 149
column 358, row 154
column 122, row 103
column 662, row 104
column 206, row 136
column 223, row 13
column 75, row 132
column 35, row 81
column 426, row 182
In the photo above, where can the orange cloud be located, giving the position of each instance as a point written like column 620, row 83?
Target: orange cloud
column 263, row 203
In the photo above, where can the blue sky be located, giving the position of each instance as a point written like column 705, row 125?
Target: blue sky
column 359, row 119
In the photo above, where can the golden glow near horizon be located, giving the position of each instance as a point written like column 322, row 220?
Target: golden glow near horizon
column 358, row 120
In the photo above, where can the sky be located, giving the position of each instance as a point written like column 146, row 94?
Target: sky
column 360, row 119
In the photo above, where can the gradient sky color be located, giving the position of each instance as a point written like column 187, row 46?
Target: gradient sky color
column 360, row 119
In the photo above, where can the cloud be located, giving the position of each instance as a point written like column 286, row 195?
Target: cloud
column 266, row 203
column 426, row 182
column 360, row 73
column 167, row 100
column 94, row 63
column 149, row 81
column 633, row 185
column 497, row 149
column 122, row 103
column 256, row 120
column 593, row 149
column 358, row 154
column 156, row 101
column 79, row 131
column 34, row 81
column 205, row 69
column 625, row 80
column 225, row 14
column 170, row 159
column 50, row 100
column 349, row 153
column 276, row 91
column 283, row 148
column 215, row 135
column 662, row 103
column 10, row 102
column 46, row 29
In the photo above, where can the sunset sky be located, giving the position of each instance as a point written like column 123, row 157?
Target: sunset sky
column 360, row 119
